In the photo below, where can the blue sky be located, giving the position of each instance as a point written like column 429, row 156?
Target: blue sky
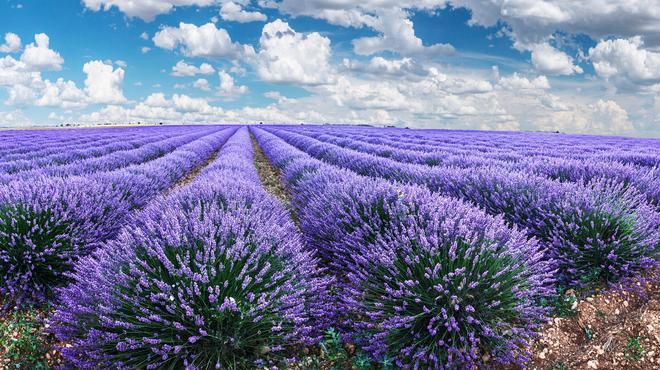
column 582, row 67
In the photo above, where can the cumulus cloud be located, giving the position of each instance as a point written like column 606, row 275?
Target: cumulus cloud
column 203, row 41
column 202, row 84
column 228, row 87
column 517, row 82
column 145, row 9
column 534, row 21
column 26, row 87
column 12, row 43
column 156, row 100
column 626, row 62
column 39, row 56
column 232, row 11
column 15, row 119
column 61, row 93
column 547, row 59
column 103, row 83
column 13, row 72
column 287, row 56
column 396, row 34
column 404, row 67
column 350, row 13
column 603, row 116
column 182, row 69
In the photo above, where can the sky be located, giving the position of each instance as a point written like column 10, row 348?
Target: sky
column 589, row 66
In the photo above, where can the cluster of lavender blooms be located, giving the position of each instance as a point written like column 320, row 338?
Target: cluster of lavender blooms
column 428, row 280
column 600, row 230
column 47, row 223
column 213, row 275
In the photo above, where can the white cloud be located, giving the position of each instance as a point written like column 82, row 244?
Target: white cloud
column 39, row 56
column 145, row 49
column 202, row 84
column 12, row 43
column 145, row 9
column 103, row 83
column 603, row 117
column 203, row 41
column 404, row 67
column 547, row 59
column 232, row 11
column 517, row 83
column 397, row 34
column 61, row 93
column 553, row 102
column 185, row 103
column 156, row 100
column 349, row 13
column 26, row 87
column 15, row 119
column 533, row 21
column 182, row 69
column 388, row 18
column 14, row 72
column 276, row 95
column 228, row 88
column 287, row 56
column 121, row 63
column 144, row 36
column 626, row 62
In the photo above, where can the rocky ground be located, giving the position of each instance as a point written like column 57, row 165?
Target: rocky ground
column 617, row 328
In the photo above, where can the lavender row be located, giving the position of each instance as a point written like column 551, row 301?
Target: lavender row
column 226, row 284
column 22, row 142
column 596, row 231
column 47, row 223
column 646, row 180
column 511, row 146
column 534, row 142
column 112, row 161
column 542, row 146
column 426, row 280
column 67, row 154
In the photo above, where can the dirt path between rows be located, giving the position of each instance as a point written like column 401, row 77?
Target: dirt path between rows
column 192, row 175
column 614, row 329
column 270, row 179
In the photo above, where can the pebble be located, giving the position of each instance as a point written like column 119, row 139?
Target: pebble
column 616, row 312
column 593, row 364
column 625, row 303
column 590, row 299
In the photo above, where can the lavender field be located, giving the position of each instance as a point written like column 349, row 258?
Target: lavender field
column 321, row 247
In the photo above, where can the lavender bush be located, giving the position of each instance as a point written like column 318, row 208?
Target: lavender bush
column 45, row 225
